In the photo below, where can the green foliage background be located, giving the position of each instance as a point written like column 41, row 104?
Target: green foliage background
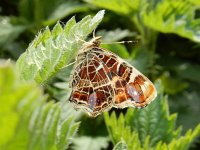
column 38, row 39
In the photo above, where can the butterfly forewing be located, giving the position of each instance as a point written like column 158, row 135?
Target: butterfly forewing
column 102, row 80
column 91, row 89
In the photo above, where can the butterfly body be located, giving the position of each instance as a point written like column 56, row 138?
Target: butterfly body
column 102, row 80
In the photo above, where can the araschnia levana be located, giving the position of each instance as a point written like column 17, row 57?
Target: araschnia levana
column 102, row 80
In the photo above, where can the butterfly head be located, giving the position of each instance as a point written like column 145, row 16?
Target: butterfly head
column 94, row 42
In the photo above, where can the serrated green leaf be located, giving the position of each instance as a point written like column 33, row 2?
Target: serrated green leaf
column 184, row 142
column 51, row 51
column 37, row 124
column 64, row 139
column 119, row 131
column 57, row 30
column 50, row 127
column 27, row 122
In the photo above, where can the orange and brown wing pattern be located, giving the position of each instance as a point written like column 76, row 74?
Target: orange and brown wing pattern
column 91, row 89
column 102, row 80
column 137, row 93
column 132, row 88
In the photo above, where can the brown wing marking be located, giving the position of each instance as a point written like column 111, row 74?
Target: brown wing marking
column 103, row 80
column 92, row 91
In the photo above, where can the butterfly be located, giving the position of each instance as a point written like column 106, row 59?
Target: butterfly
column 102, row 80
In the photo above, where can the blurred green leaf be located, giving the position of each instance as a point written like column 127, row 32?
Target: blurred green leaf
column 186, row 104
column 184, row 70
column 189, row 71
column 27, row 122
column 124, row 6
column 48, row 11
column 25, row 17
column 173, row 85
column 93, row 143
column 110, row 36
column 51, row 51
column 143, row 60
column 65, row 9
column 197, row 2
column 8, row 31
column 118, row 49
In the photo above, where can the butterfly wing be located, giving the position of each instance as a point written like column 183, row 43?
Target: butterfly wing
column 91, row 90
column 102, row 80
column 131, row 87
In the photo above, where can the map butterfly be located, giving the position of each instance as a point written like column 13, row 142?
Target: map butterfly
column 102, row 80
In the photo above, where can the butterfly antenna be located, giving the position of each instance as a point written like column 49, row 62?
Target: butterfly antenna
column 122, row 42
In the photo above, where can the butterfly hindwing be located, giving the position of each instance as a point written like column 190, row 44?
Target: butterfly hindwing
column 132, row 88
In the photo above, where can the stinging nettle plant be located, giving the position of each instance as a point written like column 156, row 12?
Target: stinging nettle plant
column 52, row 50
column 149, row 128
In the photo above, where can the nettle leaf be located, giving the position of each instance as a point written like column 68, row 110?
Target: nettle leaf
column 184, row 142
column 149, row 128
column 50, row 51
column 174, row 17
column 27, row 120
column 118, row 130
